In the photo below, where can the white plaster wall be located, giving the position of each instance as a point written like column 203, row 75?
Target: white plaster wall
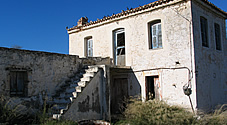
column 211, row 64
column 89, row 104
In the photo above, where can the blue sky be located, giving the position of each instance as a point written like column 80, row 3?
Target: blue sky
column 41, row 24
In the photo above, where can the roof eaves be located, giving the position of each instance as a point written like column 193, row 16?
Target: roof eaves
column 215, row 7
column 123, row 13
column 138, row 9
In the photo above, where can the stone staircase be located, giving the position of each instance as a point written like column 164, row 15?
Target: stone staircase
column 71, row 89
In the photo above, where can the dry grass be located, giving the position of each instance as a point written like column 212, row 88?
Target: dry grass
column 56, row 122
column 11, row 112
column 219, row 117
column 159, row 113
column 156, row 113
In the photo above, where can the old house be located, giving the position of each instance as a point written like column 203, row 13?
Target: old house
column 152, row 51
column 167, row 44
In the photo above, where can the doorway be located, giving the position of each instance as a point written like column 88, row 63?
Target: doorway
column 152, row 87
column 119, row 94
column 119, row 47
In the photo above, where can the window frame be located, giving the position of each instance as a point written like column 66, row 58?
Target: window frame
column 87, row 48
column 217, row 34
column 159, row 45
column 18, row 77
column 204, row 30
column 119, row 50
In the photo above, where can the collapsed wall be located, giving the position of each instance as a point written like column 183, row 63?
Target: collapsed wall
column 33, row 76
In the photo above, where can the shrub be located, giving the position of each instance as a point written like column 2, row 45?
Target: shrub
column 10, row 112
column 156, row 113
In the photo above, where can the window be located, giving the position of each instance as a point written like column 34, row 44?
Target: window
column 120, row 41
column 204, row 31
column 88, row 47
column 155, row 37
column 217, row 36
column 18, row 83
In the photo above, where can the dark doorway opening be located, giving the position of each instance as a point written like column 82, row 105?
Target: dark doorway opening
column 119, row 94
column 152, row 87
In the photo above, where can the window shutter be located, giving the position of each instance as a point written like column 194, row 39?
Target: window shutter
column 217, row 36
column 20, row 82
column 90, row 47
column 13, row 82
column 154, row 36
column 159, row 36
column 204, row 32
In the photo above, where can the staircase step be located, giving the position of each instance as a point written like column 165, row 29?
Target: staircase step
column 75, row 94
column 89, row 74
column 82, row 83
column 85, row 79
column 92, row 69
column 78, row 89
column 56, row 116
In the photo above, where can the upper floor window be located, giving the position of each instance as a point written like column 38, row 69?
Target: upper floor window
column 217, row 36
column 155, row 34
column 204, row 31
column 18, row 83
column 88, row 47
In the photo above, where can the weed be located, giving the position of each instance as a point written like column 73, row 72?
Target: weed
column 11, row 112
column 56, row 122
column 156, row 113
column 219, row 117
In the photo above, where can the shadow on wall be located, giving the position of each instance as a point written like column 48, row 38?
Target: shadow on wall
column 123, row 85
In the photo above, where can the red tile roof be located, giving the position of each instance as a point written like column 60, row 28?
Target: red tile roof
column 131, row 11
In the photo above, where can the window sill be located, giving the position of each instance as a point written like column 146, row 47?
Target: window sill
column 156, row 48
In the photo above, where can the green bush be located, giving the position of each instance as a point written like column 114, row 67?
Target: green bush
column 156, row 113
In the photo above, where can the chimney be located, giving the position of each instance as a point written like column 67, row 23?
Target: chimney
column 82, row 21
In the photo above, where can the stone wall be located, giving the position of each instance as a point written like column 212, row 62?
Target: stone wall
column 45, row 71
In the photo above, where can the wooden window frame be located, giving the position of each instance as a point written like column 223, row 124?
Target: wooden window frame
column 88, row 48
column 157, row 35
column 217, row 32
column 18, row 83
column 204, row 31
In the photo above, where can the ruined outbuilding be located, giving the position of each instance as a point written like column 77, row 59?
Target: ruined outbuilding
column 171, row 50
